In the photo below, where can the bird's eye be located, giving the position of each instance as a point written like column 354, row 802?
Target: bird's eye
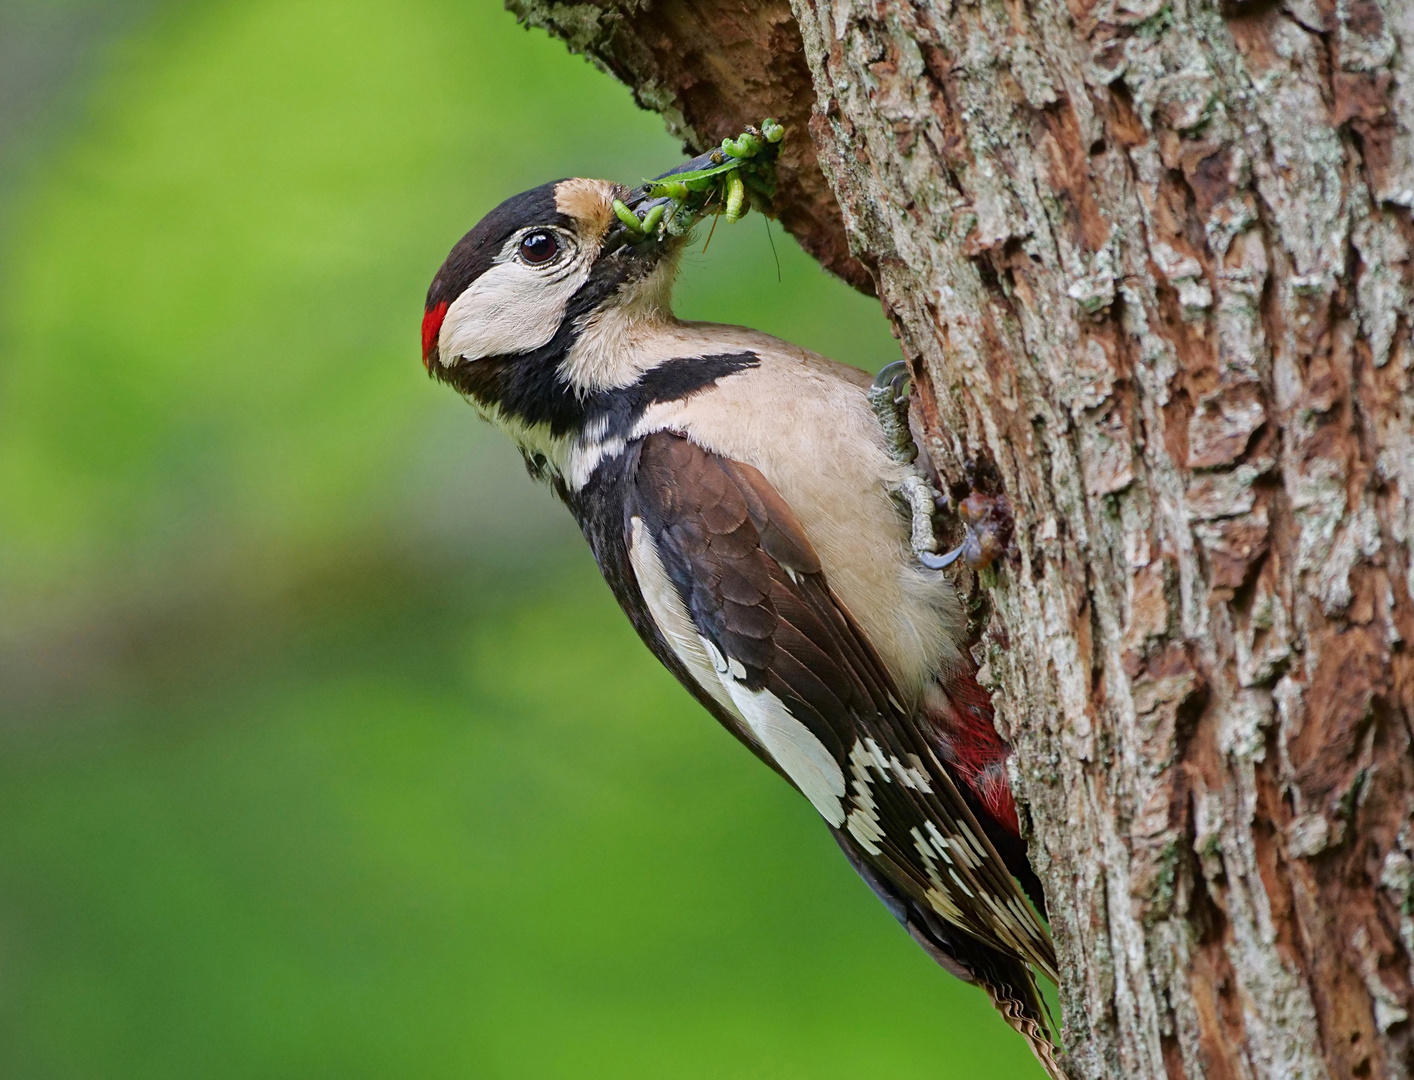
column 539, row 247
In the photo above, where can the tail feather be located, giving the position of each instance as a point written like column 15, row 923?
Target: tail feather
column 1020, row 1005
column 1009, row 983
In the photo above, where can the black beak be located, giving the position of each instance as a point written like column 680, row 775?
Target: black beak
column 619, row 235
column 638, row 201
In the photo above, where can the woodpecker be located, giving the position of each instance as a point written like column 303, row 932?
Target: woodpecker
column 738, row 494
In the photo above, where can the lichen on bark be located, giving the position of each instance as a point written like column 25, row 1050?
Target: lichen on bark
column 1151, row 262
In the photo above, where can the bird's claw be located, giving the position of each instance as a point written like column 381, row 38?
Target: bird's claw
column 889, row 400
column 987, row 517
column 941, row 562
column 895, row 377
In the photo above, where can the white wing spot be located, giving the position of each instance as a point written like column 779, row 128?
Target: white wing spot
column 911, row 776
column 890, row 768
column 938, row 895
column 864, row 818
column 960, row 884
column 939, row 841
column 1026, row 918
column 944, row 844
column 877, row 759
column 672, row 618
column 976, row 845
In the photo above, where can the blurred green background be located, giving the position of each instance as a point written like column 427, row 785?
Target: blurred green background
column 323, row 750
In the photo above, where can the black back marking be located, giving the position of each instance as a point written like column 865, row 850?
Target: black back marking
column 618, row 410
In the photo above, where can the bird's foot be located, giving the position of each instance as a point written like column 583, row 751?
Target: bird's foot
column 987, row 518
column 888, row 397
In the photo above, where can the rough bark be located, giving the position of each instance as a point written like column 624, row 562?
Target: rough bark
column 1151, row 262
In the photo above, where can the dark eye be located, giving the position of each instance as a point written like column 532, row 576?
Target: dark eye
column 539, row 247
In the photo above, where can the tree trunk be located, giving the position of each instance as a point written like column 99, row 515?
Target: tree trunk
column 1150, row 260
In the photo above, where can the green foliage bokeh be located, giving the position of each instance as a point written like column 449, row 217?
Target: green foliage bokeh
column 325, row 752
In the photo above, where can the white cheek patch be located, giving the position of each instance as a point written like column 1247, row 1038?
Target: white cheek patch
column 509, row 309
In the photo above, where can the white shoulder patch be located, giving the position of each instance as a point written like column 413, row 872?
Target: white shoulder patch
column 789, row 742
column 804, row 758
column 672, row 618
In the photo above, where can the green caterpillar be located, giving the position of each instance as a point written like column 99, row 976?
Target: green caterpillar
column 738, row 175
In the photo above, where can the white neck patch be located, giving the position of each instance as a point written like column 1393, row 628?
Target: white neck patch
column 614, row 346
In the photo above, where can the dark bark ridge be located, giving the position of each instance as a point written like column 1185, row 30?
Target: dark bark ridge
column 1151, row 261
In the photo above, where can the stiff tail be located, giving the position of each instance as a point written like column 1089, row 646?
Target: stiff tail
column 1024, row 1011
column 1009, row 983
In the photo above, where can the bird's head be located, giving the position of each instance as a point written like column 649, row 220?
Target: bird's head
column 518, row 291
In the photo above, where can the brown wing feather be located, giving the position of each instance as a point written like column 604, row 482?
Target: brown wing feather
column 752, row 584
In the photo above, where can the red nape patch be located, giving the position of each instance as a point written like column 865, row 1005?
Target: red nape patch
column 431, row 327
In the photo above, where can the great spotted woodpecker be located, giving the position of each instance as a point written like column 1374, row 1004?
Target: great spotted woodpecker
column 737, row 492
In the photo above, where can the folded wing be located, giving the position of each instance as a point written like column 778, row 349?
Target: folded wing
column 740, row 594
